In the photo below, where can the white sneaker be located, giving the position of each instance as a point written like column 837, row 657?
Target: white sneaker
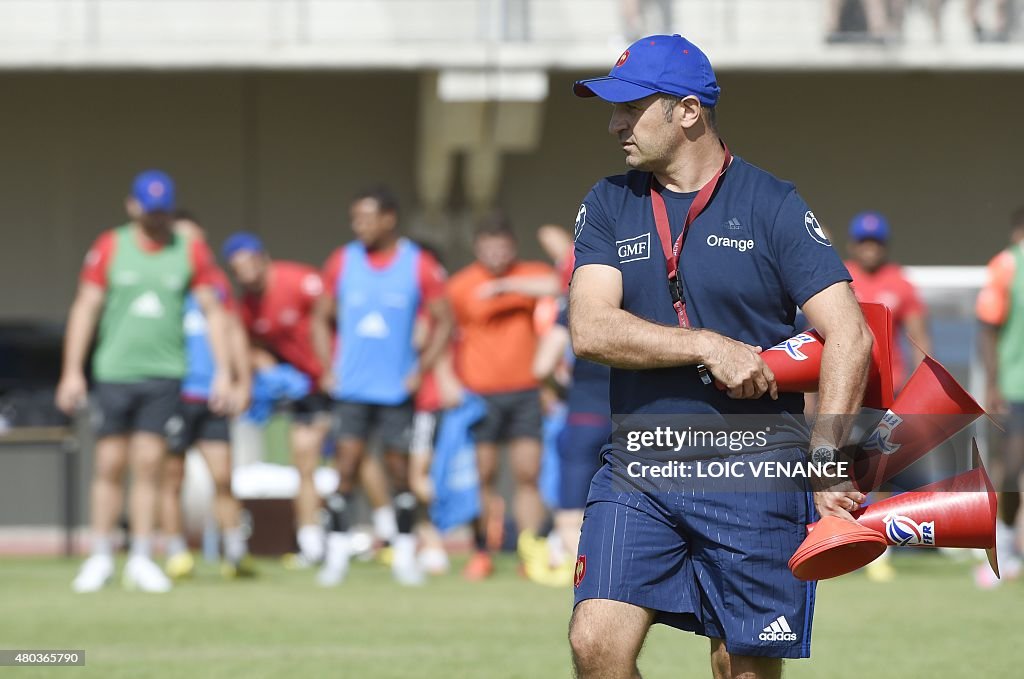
column 411, row 576
column 143, row 574
column 335, row 568
column 405, row 568
column 331, row 576
column 407, row 572
column 434, row 560
column 94, row 573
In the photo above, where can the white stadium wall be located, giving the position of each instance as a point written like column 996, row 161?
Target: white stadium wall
column 281, row 152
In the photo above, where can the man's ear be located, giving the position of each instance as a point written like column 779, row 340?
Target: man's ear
column 689, row 111
column 132, row 208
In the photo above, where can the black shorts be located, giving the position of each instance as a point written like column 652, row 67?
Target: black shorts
column 194, row 421
column 510, row 415
column 392, row 424
column 425, row 425
column 310, row 408
column 126, row 407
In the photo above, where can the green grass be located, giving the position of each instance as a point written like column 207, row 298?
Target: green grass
column 931, row 622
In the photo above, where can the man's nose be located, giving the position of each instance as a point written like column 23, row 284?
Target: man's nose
column 618, row 122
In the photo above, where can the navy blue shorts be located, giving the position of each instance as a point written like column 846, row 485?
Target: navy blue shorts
column 579, row 458
column 709, row 562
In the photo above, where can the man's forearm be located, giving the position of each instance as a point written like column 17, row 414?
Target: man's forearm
column 240, row 358
column 532, row 286
column 987, row 346
column 220, row 342
column 620, row 339
column 844, row 376
column 81, row 325
column 437, row 343
column 321, row 332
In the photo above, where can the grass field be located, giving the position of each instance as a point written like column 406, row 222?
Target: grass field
column 931, row 622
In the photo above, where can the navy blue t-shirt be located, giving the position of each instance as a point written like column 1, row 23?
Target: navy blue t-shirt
column 588, row 392
column 750, row 259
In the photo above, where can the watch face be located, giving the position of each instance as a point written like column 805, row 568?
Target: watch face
column 823, row 454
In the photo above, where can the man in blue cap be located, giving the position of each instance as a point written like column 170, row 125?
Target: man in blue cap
column 132, row 288
column 877, row 279
column 277, row 304
column 670, row 320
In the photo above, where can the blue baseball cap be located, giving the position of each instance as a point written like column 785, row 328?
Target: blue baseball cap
column 666, row 64
column 869, row 226
column 243, row 241
column 154, row 190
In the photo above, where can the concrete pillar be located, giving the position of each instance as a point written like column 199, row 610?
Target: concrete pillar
column 482, row 114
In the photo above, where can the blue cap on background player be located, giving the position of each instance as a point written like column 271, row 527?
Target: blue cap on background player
column 667, row 64
column 243, row 241
column 869, row 226
column 154, row 190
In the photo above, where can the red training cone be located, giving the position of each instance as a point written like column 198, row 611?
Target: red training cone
column 931, row 409
column 835, row 547
column 796, row 362
column 957, row 512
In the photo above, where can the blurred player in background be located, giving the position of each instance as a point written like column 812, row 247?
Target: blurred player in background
column 587, row 428
column 711, row 562
column 494, row 300
column 556, row 242
column 196, row 424
column 1000, row 310
column 277, row 309
column 374, row 288
column 878, row 280
column 439, row 391
column 134, row 285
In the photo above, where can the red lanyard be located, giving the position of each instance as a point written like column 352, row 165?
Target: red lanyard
column 675, row 283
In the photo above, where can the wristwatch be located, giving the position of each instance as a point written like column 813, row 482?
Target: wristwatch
column 824, row 454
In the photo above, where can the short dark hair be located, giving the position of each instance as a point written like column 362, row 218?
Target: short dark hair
column 495, row 224
column 1017, row 218
column 386, row 199
column 712, row 117
column 669, row 102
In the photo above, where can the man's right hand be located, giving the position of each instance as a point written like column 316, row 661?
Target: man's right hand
column 838, row 501
column 327, row 382
column 71, row 392
column 739, row 368
column 241, row 398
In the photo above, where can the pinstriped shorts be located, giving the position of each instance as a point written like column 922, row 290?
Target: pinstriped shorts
column 709, row 562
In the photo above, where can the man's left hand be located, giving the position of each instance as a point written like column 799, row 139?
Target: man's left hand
column 838, row 501
column 221, row 393
column 413, row 381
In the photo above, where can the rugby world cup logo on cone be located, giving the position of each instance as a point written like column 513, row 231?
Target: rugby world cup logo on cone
column 793, row 344
column 881, row 438
column 903, row 531
column 796, row 362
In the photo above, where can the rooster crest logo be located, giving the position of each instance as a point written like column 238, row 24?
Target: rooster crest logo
column 581, row 570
